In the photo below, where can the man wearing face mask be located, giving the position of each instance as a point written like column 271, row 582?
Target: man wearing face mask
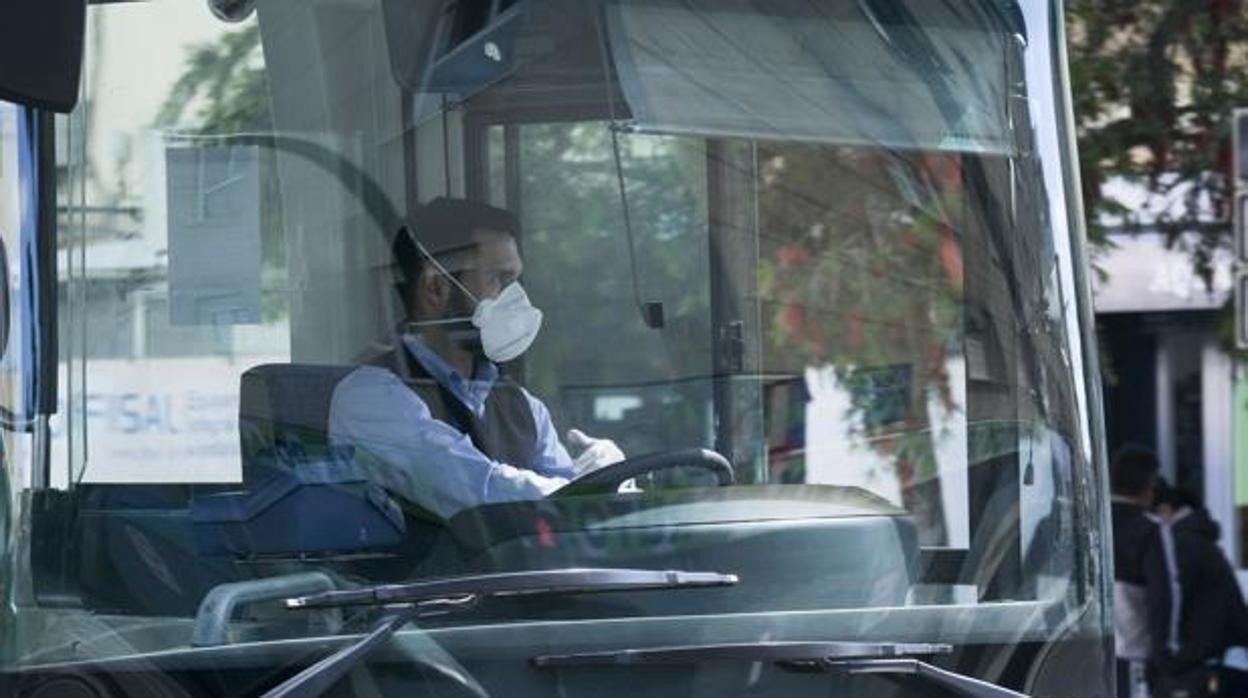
column 440, row 423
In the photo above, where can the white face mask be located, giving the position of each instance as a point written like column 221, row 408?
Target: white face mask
column 508, row 324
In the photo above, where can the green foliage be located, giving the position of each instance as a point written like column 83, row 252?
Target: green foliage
column 1154, row 83
column 226, row 83
column 853, row 275
column 578, row 269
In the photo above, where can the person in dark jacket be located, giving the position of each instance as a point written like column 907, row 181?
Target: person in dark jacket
column 1183, row 511
column 1212, row 613
column 1143, row 592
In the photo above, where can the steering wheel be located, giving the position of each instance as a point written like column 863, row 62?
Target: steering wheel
column 608, row 478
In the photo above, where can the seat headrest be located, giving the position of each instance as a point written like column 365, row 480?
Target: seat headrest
column 283, row 405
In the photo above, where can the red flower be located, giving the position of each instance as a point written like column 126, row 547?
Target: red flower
column 946, row 170
column 791, row 256
column 793, row 319
column 951, row 257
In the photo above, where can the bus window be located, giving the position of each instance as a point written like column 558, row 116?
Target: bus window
column 208, row 250
column 374, row 313
column 595, row 350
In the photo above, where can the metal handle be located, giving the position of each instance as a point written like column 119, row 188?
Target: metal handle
column 213, row 617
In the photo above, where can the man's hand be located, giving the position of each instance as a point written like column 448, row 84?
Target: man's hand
column 595, row 453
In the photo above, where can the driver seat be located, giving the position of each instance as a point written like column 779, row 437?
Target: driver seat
column 302, row 496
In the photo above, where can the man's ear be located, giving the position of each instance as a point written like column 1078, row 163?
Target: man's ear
column 433, row 292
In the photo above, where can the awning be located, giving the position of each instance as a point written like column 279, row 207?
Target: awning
column 1143, row 275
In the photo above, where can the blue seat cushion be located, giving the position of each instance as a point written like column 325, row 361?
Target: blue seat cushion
column 318, row 506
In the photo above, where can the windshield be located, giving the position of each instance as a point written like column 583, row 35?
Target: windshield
column 356, row 292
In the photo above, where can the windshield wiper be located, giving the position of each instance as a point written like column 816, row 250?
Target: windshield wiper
column 888, row 658
column 561, row 581
column 440, row 596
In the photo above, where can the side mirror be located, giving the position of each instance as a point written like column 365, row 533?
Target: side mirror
column 41, row 52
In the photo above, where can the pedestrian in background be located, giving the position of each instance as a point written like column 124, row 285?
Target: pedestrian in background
column 1212, row 616
column 1142, row 594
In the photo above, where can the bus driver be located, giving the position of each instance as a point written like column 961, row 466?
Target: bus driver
column 446, row 429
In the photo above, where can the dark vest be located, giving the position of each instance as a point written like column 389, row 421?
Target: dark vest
column 506, row 431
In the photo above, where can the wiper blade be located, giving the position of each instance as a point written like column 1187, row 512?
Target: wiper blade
column 778, row 652
column 422, row 599
column 888, row 658
column 562, row 581
column 951, row 680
